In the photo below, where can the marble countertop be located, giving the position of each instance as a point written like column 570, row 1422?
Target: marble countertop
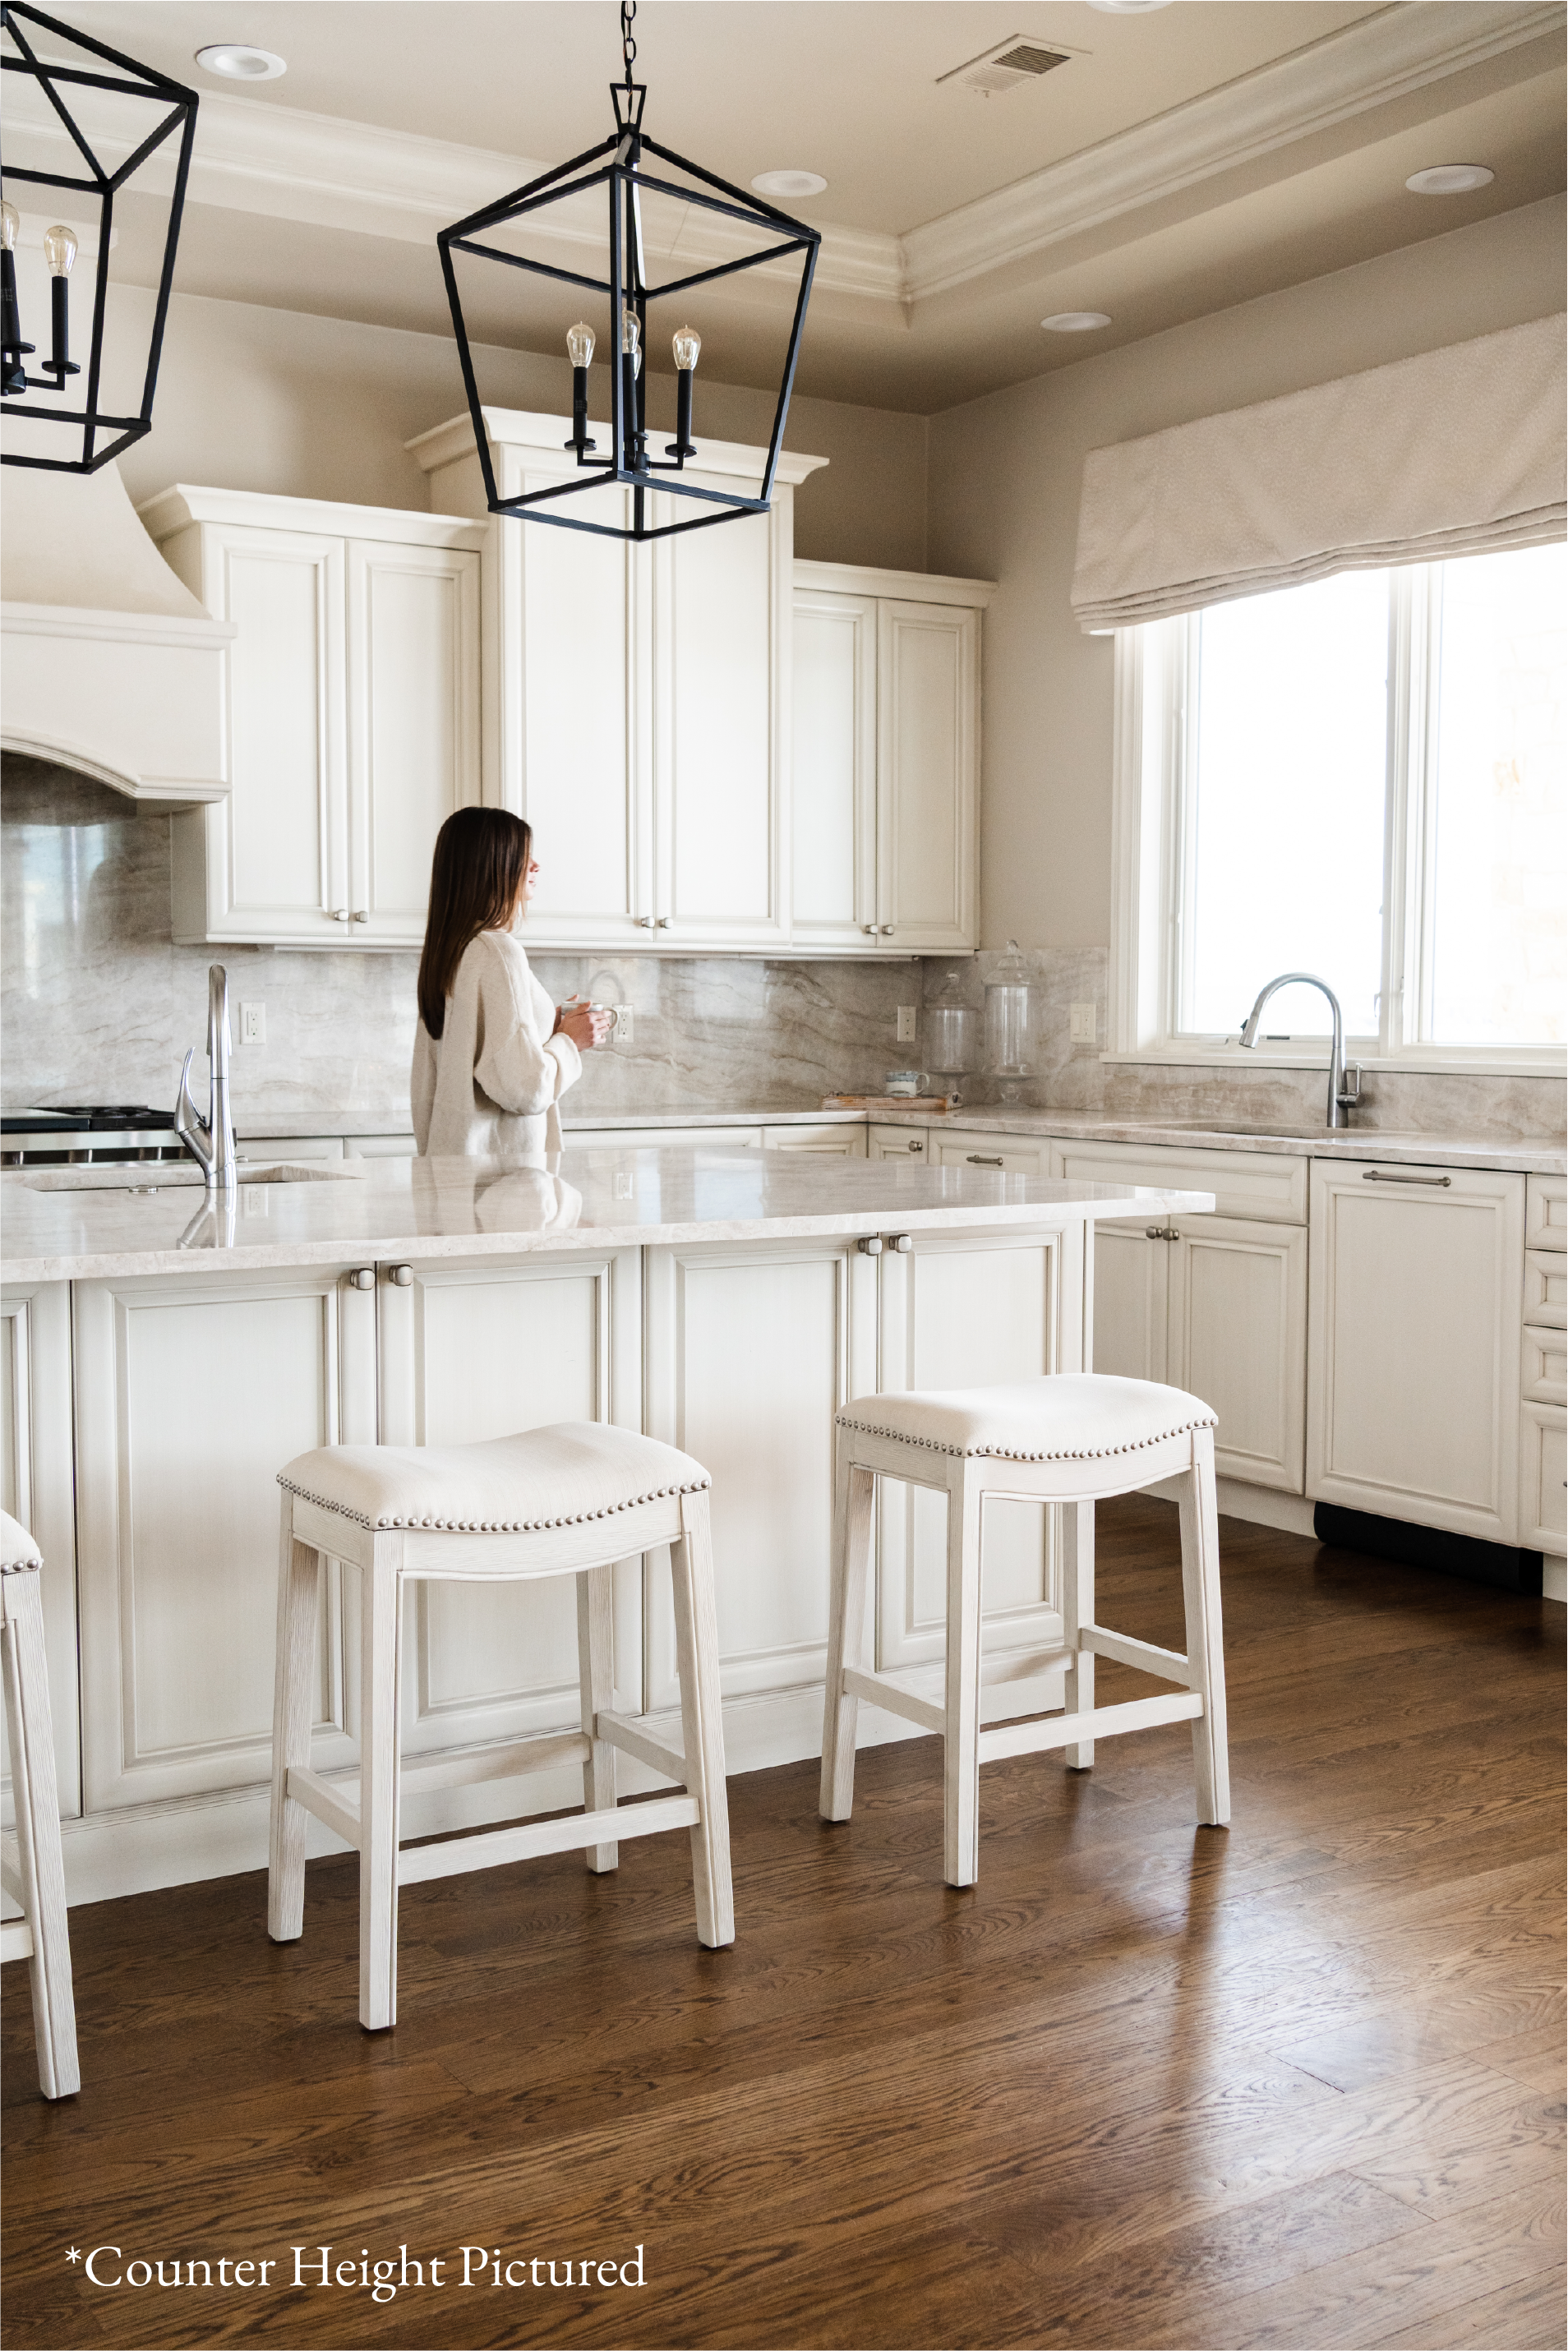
column 1536, row 1156
column 430, row 1209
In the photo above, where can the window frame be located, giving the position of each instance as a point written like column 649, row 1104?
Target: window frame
column 1152, row 825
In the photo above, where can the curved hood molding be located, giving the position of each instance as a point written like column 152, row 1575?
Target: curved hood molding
column 108, row 662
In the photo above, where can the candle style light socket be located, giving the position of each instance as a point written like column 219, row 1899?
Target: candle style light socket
column 61, row 252
column 580, row 342
column 13, row 350
column 687, row 344
column 632, row 392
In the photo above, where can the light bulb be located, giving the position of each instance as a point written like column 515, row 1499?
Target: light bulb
column 631, row 340
column 60, row 250
column 687, row 343
column 580, row 344
column 10, row 226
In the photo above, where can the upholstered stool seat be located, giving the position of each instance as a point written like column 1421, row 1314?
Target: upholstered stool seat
column 569, row 1500
column 1073, row 1439
column 33, row 1869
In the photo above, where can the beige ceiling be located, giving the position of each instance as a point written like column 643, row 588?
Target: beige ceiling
column 1178, row 162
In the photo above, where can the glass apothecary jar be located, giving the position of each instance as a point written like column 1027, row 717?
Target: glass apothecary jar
column 1010, row 1026
column 952, row 1038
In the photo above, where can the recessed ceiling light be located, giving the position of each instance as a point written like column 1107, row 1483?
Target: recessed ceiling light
column 1075, row 322
column 1449, row 180
column 238, row 62
column 1127, row 7
column 788, row 183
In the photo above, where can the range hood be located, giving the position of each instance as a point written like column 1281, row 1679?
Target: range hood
column 108, row 664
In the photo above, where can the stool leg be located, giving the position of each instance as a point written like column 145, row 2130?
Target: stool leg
column 38, row 1836
column 1077, row 1611
column 853, row 1489
column 298, row 1583
column 381, row 1615
column 596, row 1672
column 702, row 1724
column 961, row 1747
column 1205, row 1631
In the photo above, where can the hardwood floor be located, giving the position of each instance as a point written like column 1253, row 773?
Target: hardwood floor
column 1145, row 2085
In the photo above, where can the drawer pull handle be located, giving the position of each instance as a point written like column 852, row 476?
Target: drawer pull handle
column 975, row 1161
column 403, row 1275
column 1378, row 1176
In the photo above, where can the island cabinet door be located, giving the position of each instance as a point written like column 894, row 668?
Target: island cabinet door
column 36, row 1489
column 968, row 1310
column 1412, row 1344
column 749, row 1353
column 1132, row 1299
column 192, row 1394
column 1238, row 1338
column 487, row 1348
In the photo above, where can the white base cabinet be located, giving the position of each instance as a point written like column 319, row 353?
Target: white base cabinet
column 352, row 714
column 886, row 761
column 1413, row 1406
column 1543, row 1370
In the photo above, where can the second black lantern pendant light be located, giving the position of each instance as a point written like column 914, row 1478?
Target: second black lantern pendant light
column 618, row 164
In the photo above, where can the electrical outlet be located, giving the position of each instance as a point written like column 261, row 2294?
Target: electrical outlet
column 1083, row 1030
column 253, row 1024
column 623, row 1030
column 908, row 1020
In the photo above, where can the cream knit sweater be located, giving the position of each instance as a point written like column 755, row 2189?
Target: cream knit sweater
column 490, row 1083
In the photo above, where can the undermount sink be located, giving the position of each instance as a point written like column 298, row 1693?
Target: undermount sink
column 176, row 1177
column 1300, row 1134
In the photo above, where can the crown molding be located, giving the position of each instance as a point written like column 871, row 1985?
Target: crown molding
column 1366, row 64
column 256, row 157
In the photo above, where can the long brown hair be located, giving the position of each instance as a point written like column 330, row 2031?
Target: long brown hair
column 476, row 879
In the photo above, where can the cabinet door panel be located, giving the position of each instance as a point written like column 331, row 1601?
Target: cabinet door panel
column 1413, row 1364
column 830, row 1142
column 834, row 765
column 277, row 847
column 190, row 1398
column 475, row 1352
column 1238, row 1338
column 1131, row 1286
column 759, row 1415
column 965, row 1313
column 574, row 687
column 36, row 1486
column 721, row 667
column 928, row 705
column 413, row 733
column 1543, row 1503
column 899, row 1143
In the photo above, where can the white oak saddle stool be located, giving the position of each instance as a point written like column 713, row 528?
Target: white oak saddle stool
column 567, row 1500
column 1076, row 1438
column 33, row 1870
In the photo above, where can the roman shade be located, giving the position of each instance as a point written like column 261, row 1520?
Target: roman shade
column 1456, row 452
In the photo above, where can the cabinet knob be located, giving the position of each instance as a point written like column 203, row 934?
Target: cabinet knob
column 403, row 1275
column 341, row 915
column 362, row 917
column 662, row 924
column 362, row 1277
column 902, row 1242
column 916, row 1147
column 887, row 930
column 644, row 922
column 871, row 1245
column 870, row 930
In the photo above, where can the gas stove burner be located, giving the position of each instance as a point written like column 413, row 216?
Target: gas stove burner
column 95, row 1117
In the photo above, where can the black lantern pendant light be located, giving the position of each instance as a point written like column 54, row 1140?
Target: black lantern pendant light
column 172, row 109
column 626, row 459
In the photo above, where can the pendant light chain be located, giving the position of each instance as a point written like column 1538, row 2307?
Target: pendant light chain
column 628, row 46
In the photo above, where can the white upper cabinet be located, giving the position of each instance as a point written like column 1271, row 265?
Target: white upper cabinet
column 352, row 713
column 637, row 710
column 886, row 759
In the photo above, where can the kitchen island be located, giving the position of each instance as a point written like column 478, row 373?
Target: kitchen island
column 167, row 1358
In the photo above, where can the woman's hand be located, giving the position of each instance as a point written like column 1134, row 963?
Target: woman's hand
column 586, row 1024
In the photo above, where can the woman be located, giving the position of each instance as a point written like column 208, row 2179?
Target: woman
column 492, row 1055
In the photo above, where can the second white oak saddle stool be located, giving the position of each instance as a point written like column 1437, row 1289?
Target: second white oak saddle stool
column 1075, row 1438
column 566, row 1500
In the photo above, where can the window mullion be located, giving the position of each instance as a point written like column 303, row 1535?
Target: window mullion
column 1182, row 670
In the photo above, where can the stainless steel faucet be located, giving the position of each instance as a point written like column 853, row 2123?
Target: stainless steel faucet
column 211, row 1140
column 1344, row 1086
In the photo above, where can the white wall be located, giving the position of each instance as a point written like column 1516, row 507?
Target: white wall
column 253, row 399
column 1004, row 483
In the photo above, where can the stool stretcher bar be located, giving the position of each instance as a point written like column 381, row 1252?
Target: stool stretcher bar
column 1104, row 1722
column 417, row 1862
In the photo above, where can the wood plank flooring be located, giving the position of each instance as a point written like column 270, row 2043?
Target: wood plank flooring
column 1146, row 2086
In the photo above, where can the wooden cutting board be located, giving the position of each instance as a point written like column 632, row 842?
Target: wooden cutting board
column 936, row 1103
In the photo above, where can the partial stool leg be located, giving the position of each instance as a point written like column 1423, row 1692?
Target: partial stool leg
column 1205, row 1631
column 298, row 1585
column 596, row 1673
column 702, row 1724
column 381, row 1623
column 38, row 1836
column 1077, row 1611
column 961, row 1745
column 853, row 1489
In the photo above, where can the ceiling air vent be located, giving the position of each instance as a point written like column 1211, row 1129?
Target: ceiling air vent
column 1007, row 67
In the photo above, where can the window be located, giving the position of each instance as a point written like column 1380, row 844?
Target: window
column 1366, row 778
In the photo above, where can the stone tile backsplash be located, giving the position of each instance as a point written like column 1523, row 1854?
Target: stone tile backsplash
column 100, row 1005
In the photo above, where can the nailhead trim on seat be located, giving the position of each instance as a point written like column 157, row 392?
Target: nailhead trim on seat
column 1012, row 1453
column 492, row 1526
column 20, row 1566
